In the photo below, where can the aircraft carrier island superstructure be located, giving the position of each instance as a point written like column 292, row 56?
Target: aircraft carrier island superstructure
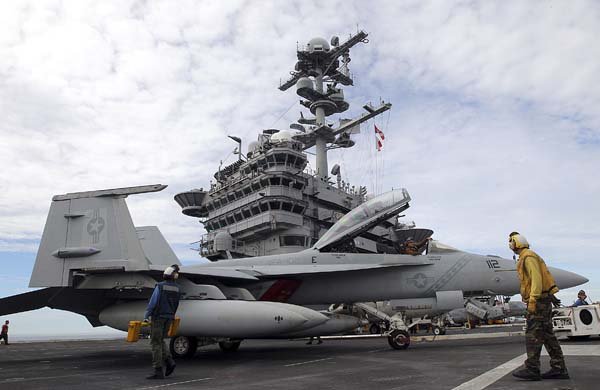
column 268, row 201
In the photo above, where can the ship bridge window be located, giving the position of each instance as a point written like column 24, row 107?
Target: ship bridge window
column 238, row 216
column 231, row 196
column 298, row 209
column 285, row 182
column 280, row 158
column 292, row 241
column 247, row 190
column 246, row 213
column 274, row 205
column 275, row 181
column 297, row 185
column 255, row 210
column 256, row 186
column 230, row 219
column 264, row 206
column 286, row 206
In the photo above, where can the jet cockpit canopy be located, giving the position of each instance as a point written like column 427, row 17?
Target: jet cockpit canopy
column 365, row 217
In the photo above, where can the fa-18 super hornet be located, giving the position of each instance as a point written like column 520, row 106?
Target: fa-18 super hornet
column 94, row 262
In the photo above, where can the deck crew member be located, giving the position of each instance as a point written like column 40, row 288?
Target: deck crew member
column 4, row 333
column 161, row 310
column 537, row 289
column 581, row 299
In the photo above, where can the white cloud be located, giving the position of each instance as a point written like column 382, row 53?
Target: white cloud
column 495, row 124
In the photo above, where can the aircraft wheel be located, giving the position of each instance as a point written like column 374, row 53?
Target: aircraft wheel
column 399, row 339
column 183, row 347
column 229, row 345
column 375, row 329
column 438, row 331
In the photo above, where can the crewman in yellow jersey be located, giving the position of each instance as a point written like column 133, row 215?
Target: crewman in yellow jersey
column 537, row 289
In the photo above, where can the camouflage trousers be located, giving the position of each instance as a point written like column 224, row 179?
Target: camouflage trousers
column 160, row 351
column 539, row 332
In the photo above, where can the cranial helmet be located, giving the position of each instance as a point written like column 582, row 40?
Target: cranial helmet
column 517, row 241
column 171, row 272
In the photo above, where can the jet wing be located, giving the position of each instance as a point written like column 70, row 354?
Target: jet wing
column 27, row 301
column 217, row 272
column 284, row 270
column 255, row 272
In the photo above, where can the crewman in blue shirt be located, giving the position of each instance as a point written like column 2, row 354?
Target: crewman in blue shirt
column 581, row 299
column 161, row 310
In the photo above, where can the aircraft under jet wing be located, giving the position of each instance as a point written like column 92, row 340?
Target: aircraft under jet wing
column 94, row 262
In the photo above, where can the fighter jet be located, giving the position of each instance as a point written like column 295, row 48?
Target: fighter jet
column 93, row 261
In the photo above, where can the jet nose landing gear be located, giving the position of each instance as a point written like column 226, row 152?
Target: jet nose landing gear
column 399, row 339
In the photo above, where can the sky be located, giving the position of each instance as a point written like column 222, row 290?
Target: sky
column 495, row 124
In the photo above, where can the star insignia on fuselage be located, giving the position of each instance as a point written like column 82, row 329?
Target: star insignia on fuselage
column 420, row 280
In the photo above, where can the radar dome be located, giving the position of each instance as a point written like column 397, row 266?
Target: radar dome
column 317, row 44
column 282, row 136
column 223, row 241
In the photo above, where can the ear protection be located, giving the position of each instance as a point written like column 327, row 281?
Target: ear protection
column 171, row 270
column 517, row 241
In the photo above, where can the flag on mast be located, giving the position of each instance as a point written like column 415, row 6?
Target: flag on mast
column 379, row 137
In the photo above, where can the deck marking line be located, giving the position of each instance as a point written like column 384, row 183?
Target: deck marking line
column 56, row 376
column 310, row 361
column 487, row 378
column 175, row 383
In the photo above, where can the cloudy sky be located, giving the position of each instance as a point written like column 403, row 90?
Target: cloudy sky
column 495, row 123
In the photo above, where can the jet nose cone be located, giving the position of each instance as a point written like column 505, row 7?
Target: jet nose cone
column 566, row 279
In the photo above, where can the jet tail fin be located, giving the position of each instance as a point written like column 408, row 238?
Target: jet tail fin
column 91, row 232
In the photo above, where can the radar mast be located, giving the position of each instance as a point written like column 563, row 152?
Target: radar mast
column 322, row 66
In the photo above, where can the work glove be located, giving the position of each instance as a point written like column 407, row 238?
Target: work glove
column 531, row 306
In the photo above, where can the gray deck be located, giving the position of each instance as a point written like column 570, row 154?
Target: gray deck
column 336, row 364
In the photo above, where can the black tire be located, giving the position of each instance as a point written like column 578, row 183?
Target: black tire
column 229, row 345
column 183, row 347
column 374, row 329
column 399, row 339
column 439, row 331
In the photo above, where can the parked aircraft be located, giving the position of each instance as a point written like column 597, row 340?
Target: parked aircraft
column 94, row 262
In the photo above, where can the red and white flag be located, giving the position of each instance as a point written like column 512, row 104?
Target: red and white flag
column 379, row 137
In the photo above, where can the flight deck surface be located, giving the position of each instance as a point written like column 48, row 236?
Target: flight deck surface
column 270, row 364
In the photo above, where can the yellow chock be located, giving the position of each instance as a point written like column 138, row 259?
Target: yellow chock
column 133, row 331
column 174, row 327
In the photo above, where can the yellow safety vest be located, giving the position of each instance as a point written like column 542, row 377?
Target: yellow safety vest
column 548, row 283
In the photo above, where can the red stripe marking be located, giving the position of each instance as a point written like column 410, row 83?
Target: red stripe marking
column 281, row 290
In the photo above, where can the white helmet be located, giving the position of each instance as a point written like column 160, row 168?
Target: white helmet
column 171, row 272
column 517, row 241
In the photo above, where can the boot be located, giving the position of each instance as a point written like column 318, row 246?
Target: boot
column 527, row 374
column 556, row 373
column 158, row 374
column 170, row 367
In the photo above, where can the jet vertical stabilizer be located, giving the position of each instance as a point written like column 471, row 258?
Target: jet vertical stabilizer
column 89, row 231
